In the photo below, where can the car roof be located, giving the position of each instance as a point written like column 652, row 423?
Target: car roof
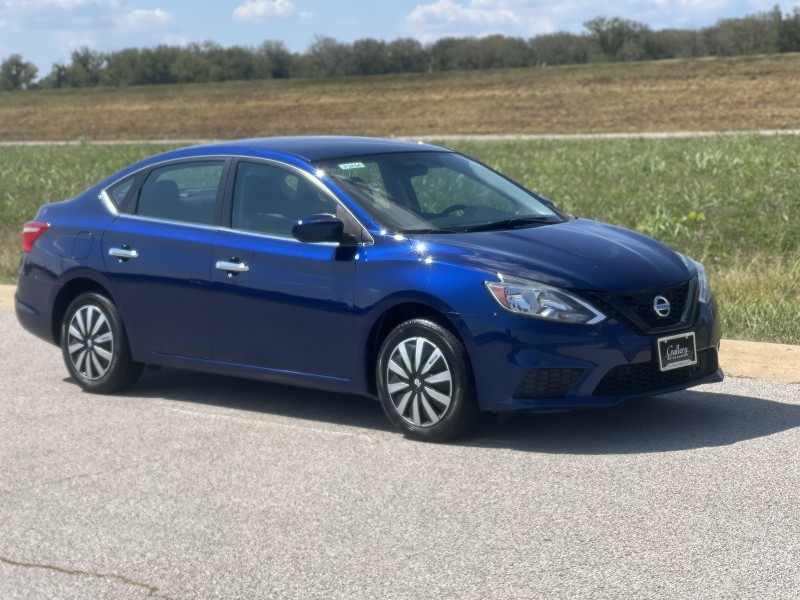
column 314, row 148
column 297, row 149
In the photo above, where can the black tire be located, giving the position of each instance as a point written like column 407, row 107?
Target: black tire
column 95, row 347
column 425, row 383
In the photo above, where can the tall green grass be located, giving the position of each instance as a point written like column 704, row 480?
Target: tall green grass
column 34, row 175
column 731, row 202
column 723, row 200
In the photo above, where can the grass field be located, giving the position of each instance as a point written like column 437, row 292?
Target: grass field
column 731, row 202
column 742, row 93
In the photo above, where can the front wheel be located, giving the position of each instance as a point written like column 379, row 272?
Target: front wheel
column 95, row 347
column 425, row 382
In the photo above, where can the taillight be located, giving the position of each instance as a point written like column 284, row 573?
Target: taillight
column 32, row 231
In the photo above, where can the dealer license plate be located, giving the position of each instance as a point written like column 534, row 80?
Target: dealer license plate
column 677, row 351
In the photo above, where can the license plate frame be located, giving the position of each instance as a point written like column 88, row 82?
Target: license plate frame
column 676, row 351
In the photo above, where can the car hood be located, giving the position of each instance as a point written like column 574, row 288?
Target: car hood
column 578, row 254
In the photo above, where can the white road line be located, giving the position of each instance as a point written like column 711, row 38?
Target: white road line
column 646, row 135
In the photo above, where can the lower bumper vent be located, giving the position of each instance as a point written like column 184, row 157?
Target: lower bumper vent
column 547, row 383
column 645, row 377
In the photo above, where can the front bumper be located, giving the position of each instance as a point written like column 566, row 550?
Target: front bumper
column 528, row 364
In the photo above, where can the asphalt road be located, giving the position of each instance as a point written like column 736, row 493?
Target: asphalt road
column 193, row 486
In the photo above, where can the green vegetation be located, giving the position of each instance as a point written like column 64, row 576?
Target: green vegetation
column 32, row 176
column 723, row 200
column 730, row 202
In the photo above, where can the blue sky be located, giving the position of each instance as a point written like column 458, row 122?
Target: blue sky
column 47, row 31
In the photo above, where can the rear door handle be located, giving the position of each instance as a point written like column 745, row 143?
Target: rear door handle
column 232, row 267
column 123, row 253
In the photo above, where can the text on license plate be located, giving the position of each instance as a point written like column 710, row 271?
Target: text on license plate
column 677, row 351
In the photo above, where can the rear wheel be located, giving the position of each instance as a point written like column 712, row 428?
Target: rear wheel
column 95, row 346
column 424, row 382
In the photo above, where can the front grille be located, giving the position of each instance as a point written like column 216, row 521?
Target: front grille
column 646, row 377
column 547, row 383
column 635, row 309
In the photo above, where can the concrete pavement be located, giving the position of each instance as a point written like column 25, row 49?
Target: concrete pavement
column 195, row 486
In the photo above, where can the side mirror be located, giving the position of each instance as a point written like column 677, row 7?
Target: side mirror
column 319, row 228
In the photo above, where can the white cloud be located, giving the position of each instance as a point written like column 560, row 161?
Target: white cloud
column 139, row 20
column 701, row 4
column 458, row 18
column 70, row 41
column 54, row 15
column 256, row 10
column 433, row 19
column 482, row 12
column 34, row 5
column 102, row 25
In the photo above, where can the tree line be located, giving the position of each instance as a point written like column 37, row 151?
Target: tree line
column 605, row 40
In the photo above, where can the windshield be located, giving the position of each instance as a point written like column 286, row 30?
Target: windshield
column 436, row 192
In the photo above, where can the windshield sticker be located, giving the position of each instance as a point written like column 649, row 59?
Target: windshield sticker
column 351, row 166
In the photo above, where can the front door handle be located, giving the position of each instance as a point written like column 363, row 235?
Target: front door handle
column 123, row 253
column 232, row 266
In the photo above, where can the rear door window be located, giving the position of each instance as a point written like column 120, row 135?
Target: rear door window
column 184, row 192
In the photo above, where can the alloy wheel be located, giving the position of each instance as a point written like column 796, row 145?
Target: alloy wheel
column 419, row 382
column 90, row 342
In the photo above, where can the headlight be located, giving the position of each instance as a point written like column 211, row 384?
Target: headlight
column 702, row 280
column 541, row 301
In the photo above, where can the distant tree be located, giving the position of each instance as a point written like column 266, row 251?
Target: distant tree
column 200, row 63
column 369, row 57
column 755, row 34
column 673, row 43
column 16, row 73
column 406, row 55
column 56, row 78
column 326, row 57
column 481, row 53
column 501, row 52
column 85, row 68
column 134, row 66
column 465, row 54
column 561, row 49
column 789, row 35
column 122, row 68
column 191, row 67
column 617, row 39
column 156, row 65
column 274, row 61
column 443, row 54
column 469, row 53
column 235, row 63
column 605, row 39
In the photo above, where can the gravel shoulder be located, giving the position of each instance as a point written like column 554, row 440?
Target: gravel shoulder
column 754, row 360
column 7, row 297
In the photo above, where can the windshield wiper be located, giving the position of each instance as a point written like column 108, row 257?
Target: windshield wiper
column 509, row 223
column 428, row 230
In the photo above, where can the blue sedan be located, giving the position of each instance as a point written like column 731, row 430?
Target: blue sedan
column 403, row 271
